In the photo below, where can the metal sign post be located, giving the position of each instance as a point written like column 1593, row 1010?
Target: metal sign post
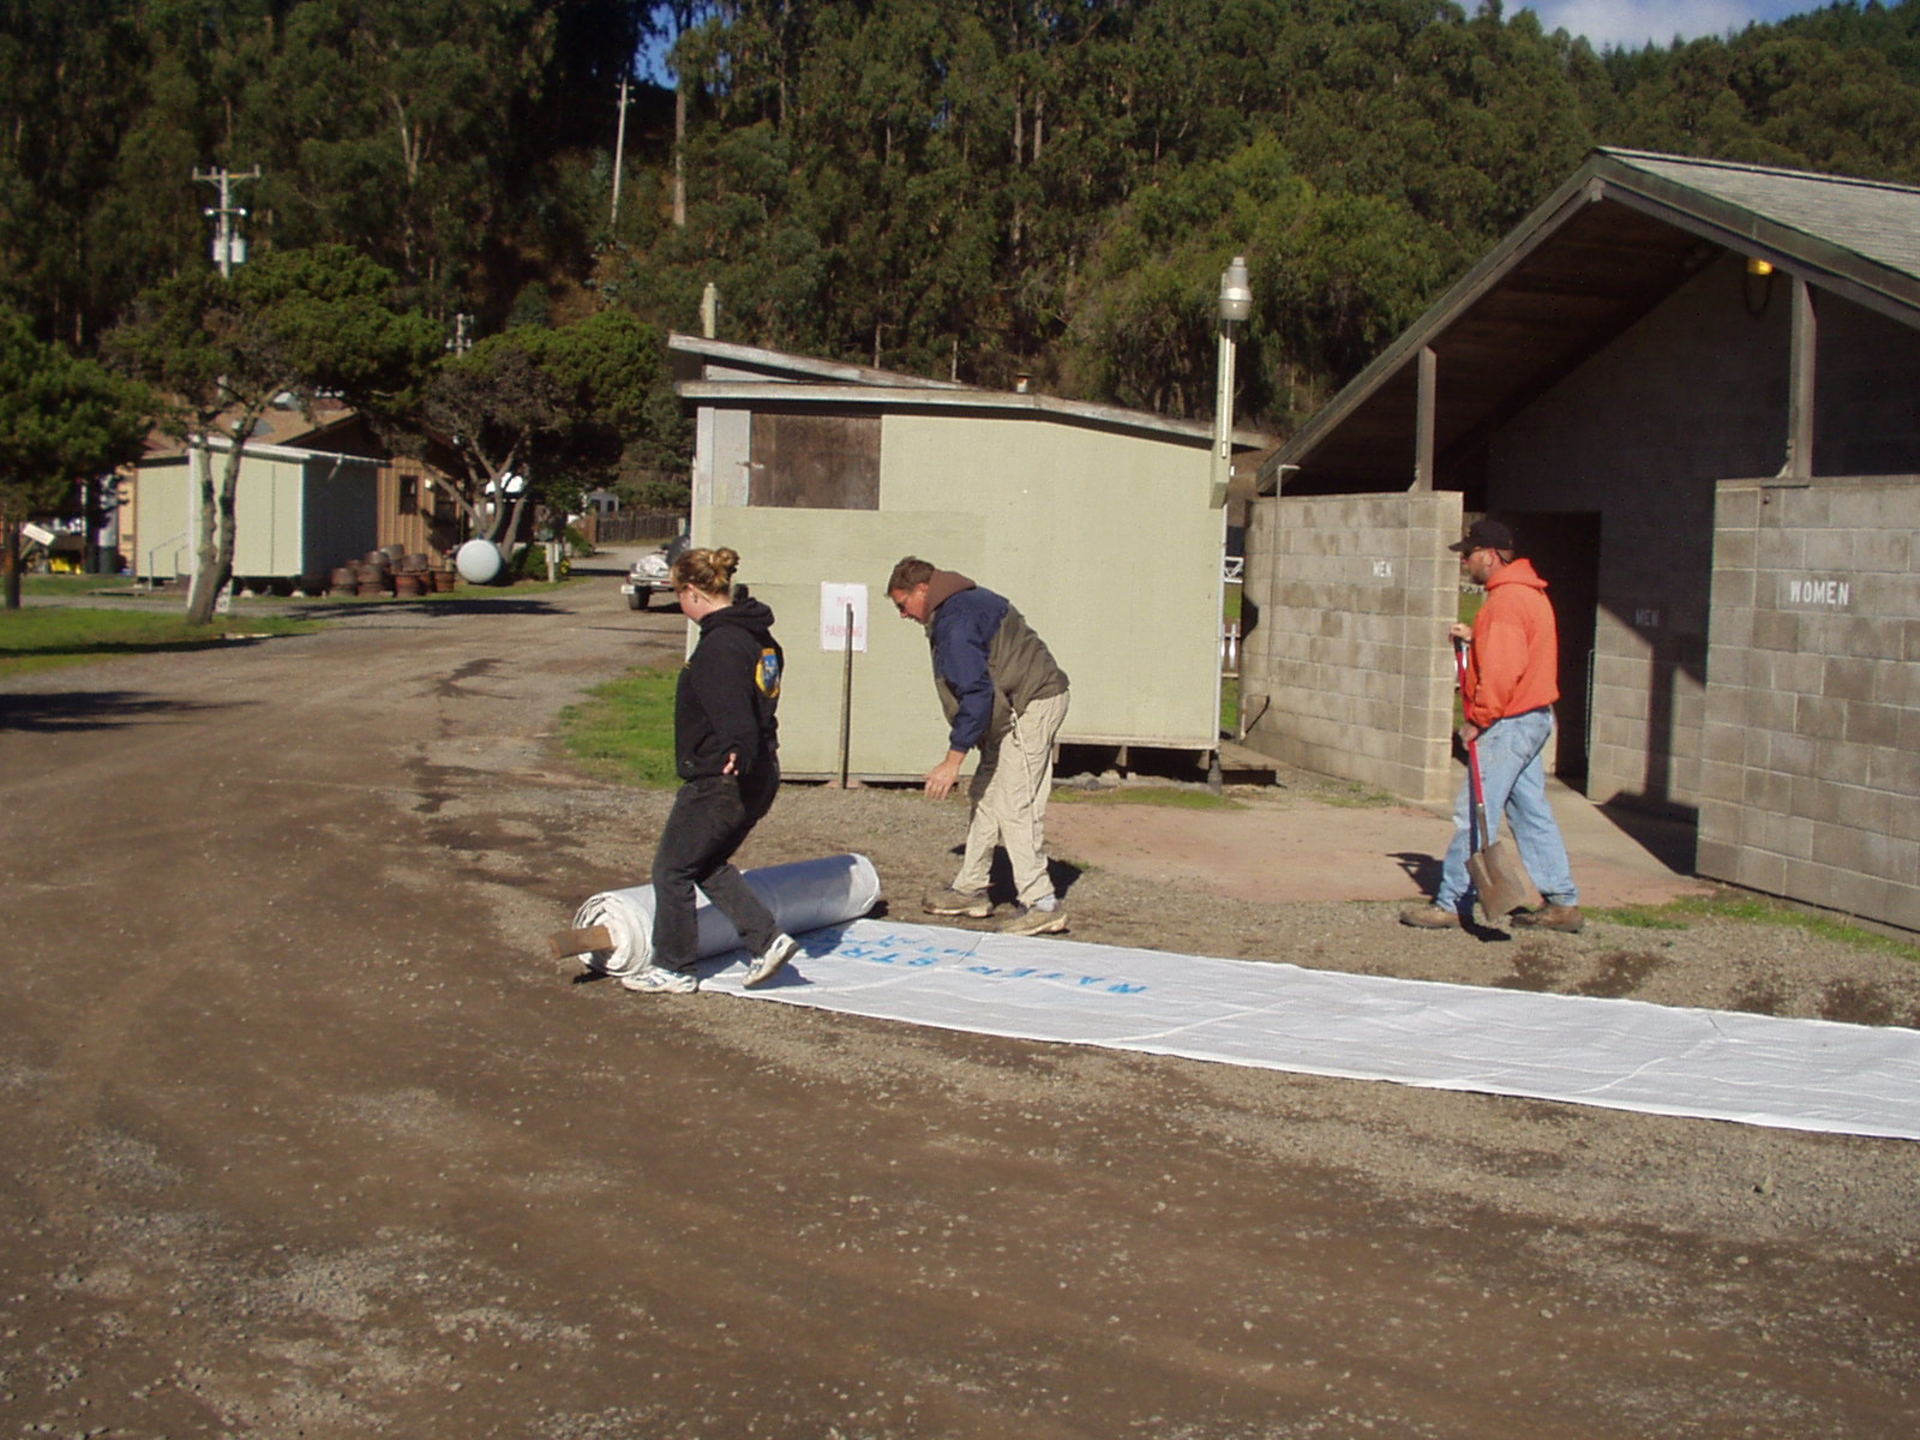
column 843, row 627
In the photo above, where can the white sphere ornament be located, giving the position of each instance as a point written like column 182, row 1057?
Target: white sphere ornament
column 478, row 562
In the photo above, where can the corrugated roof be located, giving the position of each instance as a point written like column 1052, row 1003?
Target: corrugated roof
column 779, row 365
column 757, row 377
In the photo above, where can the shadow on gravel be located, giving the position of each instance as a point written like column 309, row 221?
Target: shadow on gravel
column 1423, row 869
column 71, row 710
column 431, row 609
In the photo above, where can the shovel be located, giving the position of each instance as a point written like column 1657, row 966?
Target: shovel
column 1500, row 881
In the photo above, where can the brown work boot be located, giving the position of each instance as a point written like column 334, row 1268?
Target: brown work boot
column 1565, row 918
column 1032, row 920
column 1430, row 917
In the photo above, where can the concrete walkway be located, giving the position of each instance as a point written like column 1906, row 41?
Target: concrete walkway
column 1293, row 850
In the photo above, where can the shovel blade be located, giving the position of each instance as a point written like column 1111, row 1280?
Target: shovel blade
column 1500, row 881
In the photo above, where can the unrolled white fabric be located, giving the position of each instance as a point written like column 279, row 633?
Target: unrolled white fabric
column 803, row 896
column 1621, row 1054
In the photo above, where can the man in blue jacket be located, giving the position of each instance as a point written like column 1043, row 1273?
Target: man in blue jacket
column 1003, row 695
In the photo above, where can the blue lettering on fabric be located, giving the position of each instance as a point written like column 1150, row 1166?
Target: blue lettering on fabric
column 905, row 951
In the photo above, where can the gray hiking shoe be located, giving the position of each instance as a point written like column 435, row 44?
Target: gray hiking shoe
column 1032, row 920
column 765, row 967
column 957, row 902
column 659, row 980
column 1430, row 917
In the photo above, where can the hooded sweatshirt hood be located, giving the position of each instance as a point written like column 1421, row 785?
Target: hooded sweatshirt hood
column 943, row 585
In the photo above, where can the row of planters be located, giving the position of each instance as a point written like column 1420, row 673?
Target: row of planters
column 391, row 571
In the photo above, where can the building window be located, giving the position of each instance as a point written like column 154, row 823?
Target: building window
column 816, row 461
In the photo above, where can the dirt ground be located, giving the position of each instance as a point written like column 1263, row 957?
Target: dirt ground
column 306, row 1137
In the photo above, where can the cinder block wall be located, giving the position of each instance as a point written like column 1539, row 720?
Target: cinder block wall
column 1810, row 778
column 1640, row 434
column 1693, row 393
column 1346, row 668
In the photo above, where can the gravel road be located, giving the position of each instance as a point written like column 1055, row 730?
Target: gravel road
column 307, row 1137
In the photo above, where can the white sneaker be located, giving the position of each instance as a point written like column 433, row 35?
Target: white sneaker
column 659, row 980
column 765, row 967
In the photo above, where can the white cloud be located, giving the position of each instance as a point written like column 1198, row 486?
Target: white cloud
column 1633, row 23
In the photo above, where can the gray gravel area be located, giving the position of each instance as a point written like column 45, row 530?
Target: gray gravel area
column 308, row 1137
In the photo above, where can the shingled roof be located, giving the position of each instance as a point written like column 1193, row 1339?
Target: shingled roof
column 1626, row 231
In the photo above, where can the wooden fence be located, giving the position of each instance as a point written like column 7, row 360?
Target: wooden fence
column 633, row 527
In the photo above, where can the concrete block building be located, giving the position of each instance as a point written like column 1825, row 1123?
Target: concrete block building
column 1690, row 387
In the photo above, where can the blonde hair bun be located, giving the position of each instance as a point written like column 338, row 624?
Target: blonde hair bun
column 709, row 571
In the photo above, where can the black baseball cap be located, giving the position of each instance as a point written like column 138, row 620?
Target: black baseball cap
column 1484, row 535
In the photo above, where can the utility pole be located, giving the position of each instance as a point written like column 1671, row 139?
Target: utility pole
column 680, row 155
column 224, row 240
column 619, row 153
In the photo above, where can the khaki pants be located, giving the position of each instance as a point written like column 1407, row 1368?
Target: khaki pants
column 1009, row 795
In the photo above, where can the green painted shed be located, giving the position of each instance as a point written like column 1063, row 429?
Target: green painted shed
column 1099, row 523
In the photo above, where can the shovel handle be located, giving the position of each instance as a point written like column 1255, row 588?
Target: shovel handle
column 1479, row 811
column 1479, row 814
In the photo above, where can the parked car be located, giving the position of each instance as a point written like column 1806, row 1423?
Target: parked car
column 652, row 574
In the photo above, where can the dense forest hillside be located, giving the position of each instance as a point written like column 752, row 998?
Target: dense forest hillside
column 961, row 188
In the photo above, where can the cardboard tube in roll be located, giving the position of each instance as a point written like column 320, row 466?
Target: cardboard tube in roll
column 804, row 895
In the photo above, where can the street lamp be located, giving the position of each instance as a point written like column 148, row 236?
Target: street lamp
column 1236, row 303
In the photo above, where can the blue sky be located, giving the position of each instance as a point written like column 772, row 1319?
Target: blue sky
column 1632, row 23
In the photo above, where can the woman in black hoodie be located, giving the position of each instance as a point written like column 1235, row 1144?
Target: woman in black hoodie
column 727, row 751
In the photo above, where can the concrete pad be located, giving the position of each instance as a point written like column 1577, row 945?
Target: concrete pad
column 1294, row 850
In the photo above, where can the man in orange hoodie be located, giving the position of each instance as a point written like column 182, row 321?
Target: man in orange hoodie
column 1512, row 680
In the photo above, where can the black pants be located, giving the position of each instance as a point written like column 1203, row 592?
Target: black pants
column 710, row 820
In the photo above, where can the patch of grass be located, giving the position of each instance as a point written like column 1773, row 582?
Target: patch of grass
column 1639, row 917
column 47, row 638
column 1230, row 705
column 518, row 590
column 623, row 730
column 1757, row 910
column 64, row 585
column 1167, row 796
column 1354, row 796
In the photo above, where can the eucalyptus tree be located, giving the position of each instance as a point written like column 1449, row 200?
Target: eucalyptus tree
column 71, row 74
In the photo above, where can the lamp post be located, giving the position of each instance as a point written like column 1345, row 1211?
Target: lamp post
column 1236, row 303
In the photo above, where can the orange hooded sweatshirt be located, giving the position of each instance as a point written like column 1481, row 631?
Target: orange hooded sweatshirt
column 1513, row 665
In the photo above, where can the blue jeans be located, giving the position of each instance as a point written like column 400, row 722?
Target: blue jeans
column 1515, row 778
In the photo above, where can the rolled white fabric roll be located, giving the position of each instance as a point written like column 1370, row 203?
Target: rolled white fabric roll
column 803, row 896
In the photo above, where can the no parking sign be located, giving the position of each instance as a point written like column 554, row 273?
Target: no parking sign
column 843, row 616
